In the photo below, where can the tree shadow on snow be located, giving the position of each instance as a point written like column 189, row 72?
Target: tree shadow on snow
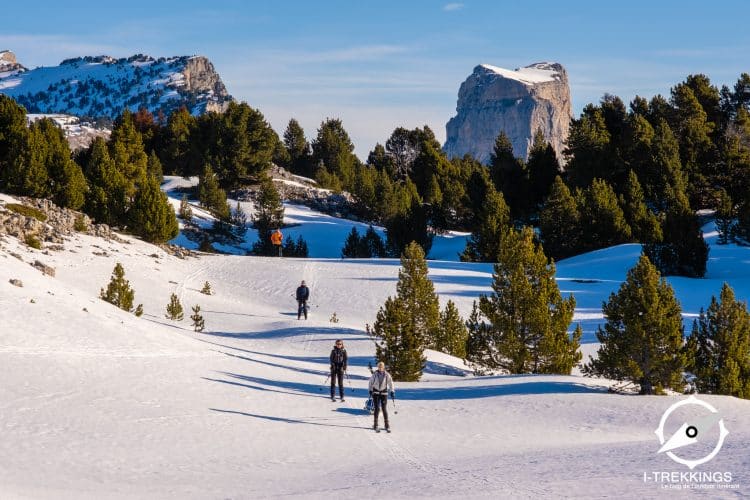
column 289, row 332
column 287, row 420
column 489, row 391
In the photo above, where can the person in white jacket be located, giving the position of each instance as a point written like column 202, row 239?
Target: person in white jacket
column 380, row 384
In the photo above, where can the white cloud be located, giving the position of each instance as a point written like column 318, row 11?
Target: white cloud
column 453, row 6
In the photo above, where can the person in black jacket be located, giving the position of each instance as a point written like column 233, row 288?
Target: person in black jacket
column 338, row 367
column 303, row 293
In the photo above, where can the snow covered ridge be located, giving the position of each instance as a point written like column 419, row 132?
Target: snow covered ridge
column 540, row 72
column 102, row 86
column 79, row 134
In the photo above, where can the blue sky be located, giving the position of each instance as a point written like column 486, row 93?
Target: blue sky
column 380, row 65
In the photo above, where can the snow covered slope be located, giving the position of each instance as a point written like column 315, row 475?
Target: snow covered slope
column 96, row 403
column 103, row 86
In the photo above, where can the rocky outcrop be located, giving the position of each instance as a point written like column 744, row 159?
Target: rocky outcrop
column 58, row 224
column 102, row 86
column 8, row 64
column 518, row 102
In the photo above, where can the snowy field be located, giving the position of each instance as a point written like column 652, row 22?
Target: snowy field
column 96, row 403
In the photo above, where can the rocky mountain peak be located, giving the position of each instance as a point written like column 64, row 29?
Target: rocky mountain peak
column 103, row 86
column 518, row 102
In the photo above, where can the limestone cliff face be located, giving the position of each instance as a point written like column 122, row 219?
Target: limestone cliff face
column 8, row 64
column 519, row 102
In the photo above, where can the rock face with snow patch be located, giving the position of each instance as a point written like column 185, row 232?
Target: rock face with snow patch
column 102, row 86
column 518, row 102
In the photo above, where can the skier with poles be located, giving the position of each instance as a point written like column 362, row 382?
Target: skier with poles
column 380, row 384
column 303, row 293
column 339, row 361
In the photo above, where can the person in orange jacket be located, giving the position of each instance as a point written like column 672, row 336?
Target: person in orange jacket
column 276, row 239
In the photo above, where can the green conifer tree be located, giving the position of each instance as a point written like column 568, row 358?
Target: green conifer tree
column 152, row 216
column 720, row 346
column 452, row 333
column 352, row 245
column 560, row 222
column 198, row 322
column 641, row 341
column 494, row 219
column 542, row 167
column 118, row 290
column 269, row 215
column 725, row 224
column 643, row 222
column 605, row 222
column 211, row 195
column 522, row 327
column 174, row 309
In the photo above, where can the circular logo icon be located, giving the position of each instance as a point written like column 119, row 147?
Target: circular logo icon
column 691, row 432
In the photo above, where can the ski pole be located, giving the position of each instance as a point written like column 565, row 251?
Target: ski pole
column 393, row 398
column 351, row 389
column 326, row 381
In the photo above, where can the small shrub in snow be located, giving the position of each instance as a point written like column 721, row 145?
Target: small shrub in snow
column 206, row 290
column 174, row 309
column 198, row 322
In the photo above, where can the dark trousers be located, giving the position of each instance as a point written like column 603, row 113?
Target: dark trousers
column 380, row 400
column 337, row 373
column 301, row 308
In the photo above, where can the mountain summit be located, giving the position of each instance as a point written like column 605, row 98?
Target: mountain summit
column 102, row 86
column 518, row 102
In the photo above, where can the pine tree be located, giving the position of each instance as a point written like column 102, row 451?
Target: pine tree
column 725, row 218
column 643, row 222
column 720, row 346
column 408, row 322
column 151, row 215
column 300, row 160
column 352, row 245
column 269, row 215
column 542, row 167
column 641, row 342
column 154, row 168
column 239, row 222
column 174, row 308
column 373, row 243
column 560, row 222
column 417, row 292
column 588, row 148
column 605, row 221
column 118, row 290
column 186, row 213
column 682, row 251
column 211, row 195
column 334, row 149
column 206, row 290
column 408, row 222
column 452, row 333
column 107, row 197
column 522, row 327
column 301, row 249
column 198, row 323
column 494, row 218
column 509, row 175
column 397, row 345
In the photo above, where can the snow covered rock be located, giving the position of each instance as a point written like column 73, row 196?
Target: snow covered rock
column 102, row 86
column 518, row 102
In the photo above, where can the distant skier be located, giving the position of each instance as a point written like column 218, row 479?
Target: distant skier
column 303, row 293
column 339, row 361
column 380, row 383
column 276, row 239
